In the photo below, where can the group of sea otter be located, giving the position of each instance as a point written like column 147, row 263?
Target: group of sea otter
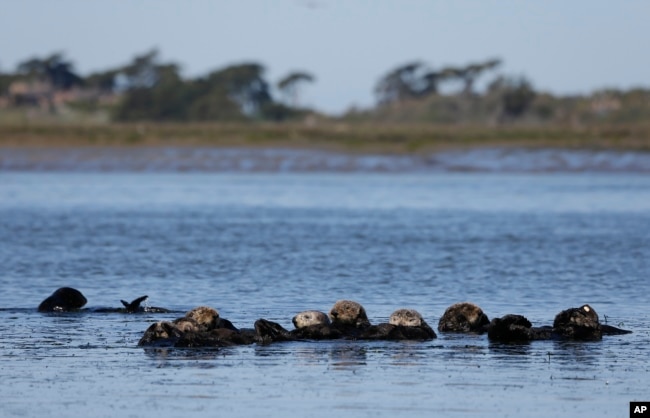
column 203, row 327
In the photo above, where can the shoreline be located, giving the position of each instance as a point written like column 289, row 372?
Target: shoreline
column 327, row 146
column 294, row 160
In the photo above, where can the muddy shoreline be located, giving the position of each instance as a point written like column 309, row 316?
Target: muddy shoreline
column 282, row 159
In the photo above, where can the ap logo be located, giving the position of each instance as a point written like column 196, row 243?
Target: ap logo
column 639, row 409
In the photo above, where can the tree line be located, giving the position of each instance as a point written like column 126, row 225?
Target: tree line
column 148, row 89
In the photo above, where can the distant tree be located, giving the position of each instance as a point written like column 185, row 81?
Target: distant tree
column 55, row 69
column 244, row 84
column 142, row 72
column 152, row 90
column 105, row 81
column 405, row 82
column 471, row 72
column 167, row 99
column 214, row 106
column 289, row 85
column 432, row 79
column 516, row 95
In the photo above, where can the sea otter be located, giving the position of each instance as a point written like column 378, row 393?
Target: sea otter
column 64, row 299
column 161, row 334
column 347, row 319
column 309, row 318
column 403, row 324
column 349, row 313
column 516, row 328
column 411, row 325
column 463, row 317
column 205, row 317
column 68, row 299
column 314, row 325
column 573, row 323
column 200, row 327
column 310, row 325
column 582, row 324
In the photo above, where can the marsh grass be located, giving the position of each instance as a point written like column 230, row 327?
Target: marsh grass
column 330, row 135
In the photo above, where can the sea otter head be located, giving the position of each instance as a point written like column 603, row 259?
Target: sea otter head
column 186, row 324
column 463, row 317
column 347, row 312
column 162, row 330
column 308, row 318
column 406, row 318
column 204, row 316
column 62, row 300
column 584, row 316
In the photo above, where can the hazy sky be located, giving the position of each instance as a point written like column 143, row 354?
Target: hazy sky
column 562, row 46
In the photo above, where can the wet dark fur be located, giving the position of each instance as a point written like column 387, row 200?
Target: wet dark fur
column 133, row 307
column 64, row 299
column 516, row 328
column 582, row 324
column 269, row 331
column 188, row 332
column 349, row 314
column 463, row 317
column 392, row 332
column 571, row 324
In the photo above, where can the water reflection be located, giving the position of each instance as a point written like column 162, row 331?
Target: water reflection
column 571, row 353
column 505, row 350
column 348, row 356
column 194, row 357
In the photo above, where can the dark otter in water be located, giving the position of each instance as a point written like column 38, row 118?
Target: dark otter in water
column 349, row 313
column 582, row 324
column 64, row 299
column 310, row 325
column 161, row 334
column 404, row 324
column 574, row 323
column 516, row 328
column 463, row 317
column 200, row 327
column 348, row 320
column 67, row 299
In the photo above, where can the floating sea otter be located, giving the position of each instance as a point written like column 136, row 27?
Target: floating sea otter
column 516, row 328
column 575, row 324
column 310, row 325
column 200, row 327
column 64, row 299
column 349, row 320
column 463, row 317
column 582, row 324
column 403, row 324
column 68, row 299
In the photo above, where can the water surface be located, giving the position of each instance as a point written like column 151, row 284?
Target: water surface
column 270, row 245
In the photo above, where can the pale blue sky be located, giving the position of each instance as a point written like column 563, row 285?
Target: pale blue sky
column 569, row 46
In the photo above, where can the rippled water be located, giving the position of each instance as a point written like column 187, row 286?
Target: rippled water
column 255, row 245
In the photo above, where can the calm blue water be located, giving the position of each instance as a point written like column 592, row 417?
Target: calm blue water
column 271, row 245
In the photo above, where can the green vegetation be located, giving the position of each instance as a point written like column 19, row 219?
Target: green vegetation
column 338, row 136
column 419, row 108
